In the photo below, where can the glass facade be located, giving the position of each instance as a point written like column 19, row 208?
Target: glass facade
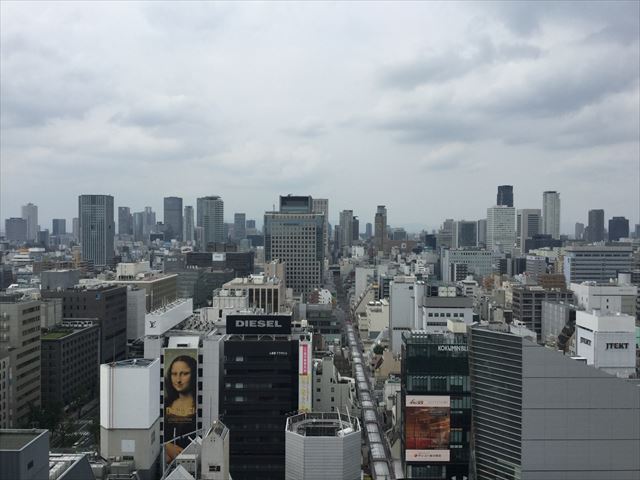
column 436, row 399
column 496, row 376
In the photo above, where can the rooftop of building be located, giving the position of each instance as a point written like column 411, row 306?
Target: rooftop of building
column 59, row 463
column 17, row 439
column 134, row 363
column 329, row 424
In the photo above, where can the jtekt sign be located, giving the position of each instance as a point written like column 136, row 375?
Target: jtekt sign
column 259, row 324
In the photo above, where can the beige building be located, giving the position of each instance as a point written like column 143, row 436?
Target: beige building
column 160, row 288
column 263, row 291
column 20, row 340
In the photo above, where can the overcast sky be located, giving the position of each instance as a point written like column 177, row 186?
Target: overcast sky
column 425, row 107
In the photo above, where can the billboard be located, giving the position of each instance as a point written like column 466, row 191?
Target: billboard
column 304, row 376
column 427, row 428
column 180, row 395
column 259, row 324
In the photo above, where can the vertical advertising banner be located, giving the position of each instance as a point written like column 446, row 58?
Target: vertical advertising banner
column 427, row 428
column 304, row 376
column 180, row 395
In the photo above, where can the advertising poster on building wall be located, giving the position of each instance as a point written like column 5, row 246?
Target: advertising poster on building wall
column 427, row 428
column 180, row 395
column 304, row 376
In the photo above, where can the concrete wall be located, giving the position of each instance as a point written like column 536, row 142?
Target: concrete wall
column 142, row 444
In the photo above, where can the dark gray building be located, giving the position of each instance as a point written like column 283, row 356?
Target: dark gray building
column 97, row 229
column 59, row 226
column 541, row 415
column 618, row 228
column 239, row 226
column 210, row 216
column 70, row 362
column 173, row 218
column 125, row 221
column 596, row 226
column 24, row 454
column 505, row 195
column 527, row 304
column 15, row 229
column 105, row 303
column 59, row 279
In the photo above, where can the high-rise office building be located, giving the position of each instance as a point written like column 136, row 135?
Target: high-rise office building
column 355, row 236
column 539, row 414
column 501, row 228
column 138, row 226
column 210, row 211
column 596, row 226
column 105, row 305
column 321, row 205
column 346, row 230
column 30, row 214
column 528, row 223
column 75, row 228
column 505, row 195
column 188, row 224
column 239, row 226
column 15, row 229
column 579, row 232
column 59, row 226
column 482, row 232
column 125, row 221
column 618, row 228
column 368, row 231
column 380, row 228
column 465, row 234
column 295, row 235
column 173, row 218
column 20, row 340
column 436, row 404
column 267, row 377
column 97, row 228
column 596, row 263
column 551, row 213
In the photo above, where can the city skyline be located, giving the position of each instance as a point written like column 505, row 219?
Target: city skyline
column 353, row 98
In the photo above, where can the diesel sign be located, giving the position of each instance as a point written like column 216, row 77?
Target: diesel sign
column 259, row 324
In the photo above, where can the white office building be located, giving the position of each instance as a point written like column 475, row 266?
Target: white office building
column 606, row 297
column 607, row 341
column 501, row 228
column 596, row 263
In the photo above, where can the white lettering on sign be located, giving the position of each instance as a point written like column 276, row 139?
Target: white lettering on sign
column 453, row 348
column 278, row 354
column 258, row 323
column 617, row 346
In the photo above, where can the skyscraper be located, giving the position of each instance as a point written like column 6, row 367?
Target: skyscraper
column 501, row 228
column 239, row 226
column 551, row 213
column 465, row 234
column 211, row 219
column 173, row 218
column 368, row 231
column 125, row 221
column 188, row 223
column 30, row 214
column 295, row 235
column 482, row 232
column 97, row 228
column 579, row 233
column 321, row 205
column 618, row 228
column 380, row 228
column 59, row 226
column 346, row 230
column 505, row 195
column 596, row 226
column 528, row 224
